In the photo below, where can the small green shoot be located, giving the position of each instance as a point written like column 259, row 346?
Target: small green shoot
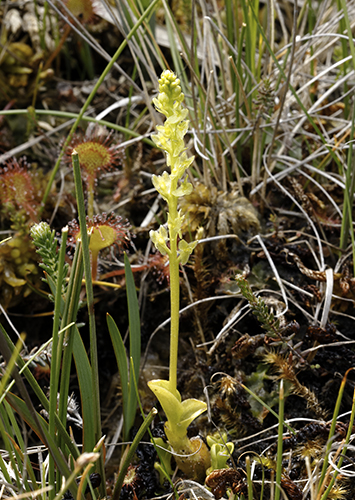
column 221, row 451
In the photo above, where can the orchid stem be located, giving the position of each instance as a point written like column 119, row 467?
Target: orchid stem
column 174, row 307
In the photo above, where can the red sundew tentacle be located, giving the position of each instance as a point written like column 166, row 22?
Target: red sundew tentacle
column 120, row 272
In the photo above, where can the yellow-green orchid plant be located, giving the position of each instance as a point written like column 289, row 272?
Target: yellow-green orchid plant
column 221, row 451
column 191, row 455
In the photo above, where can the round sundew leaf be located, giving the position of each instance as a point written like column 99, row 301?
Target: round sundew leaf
column 105, row 230
column 93, row 156
column 102, row 237
column 96, row 154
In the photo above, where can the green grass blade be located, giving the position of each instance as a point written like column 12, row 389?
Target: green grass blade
column 16, row 463
column 343, row 453
column 134, row 339
column 4, row 470
column 294, row 93
column 349, row 174
column 10, row 365
column 121, row 358
column 332, row 431
column 138, row 437
column 127, row 131
column 22, row 409
column 83, row 370
column 59, row 306
column 69, row 316
column 129, row 396
column 266, row 406
column 40, row 394
column 249, row 478
column 280, row 441
column 134, row 318
column 95, row 399
column 23, row 461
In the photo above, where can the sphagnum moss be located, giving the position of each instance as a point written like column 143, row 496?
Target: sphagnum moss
column 193, row 457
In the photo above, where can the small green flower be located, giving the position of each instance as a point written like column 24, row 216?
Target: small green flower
column 184, row 189
column 162, row 184
column 159, row 238
column 170, row 96
column 170, row 137
column 185, row 250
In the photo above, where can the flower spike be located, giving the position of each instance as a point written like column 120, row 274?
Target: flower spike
column 192, row 456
